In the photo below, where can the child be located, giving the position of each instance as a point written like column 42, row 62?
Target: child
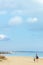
column 34, row 59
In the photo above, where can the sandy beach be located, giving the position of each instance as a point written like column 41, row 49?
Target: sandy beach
column 21, row 61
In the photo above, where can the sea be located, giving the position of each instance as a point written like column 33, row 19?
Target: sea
column 26, row 53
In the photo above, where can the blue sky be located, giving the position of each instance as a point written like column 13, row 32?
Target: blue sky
column 21, row 25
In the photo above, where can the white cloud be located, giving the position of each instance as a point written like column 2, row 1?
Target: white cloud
column 20, row 7
column 32, row 20
column 3, row 37
column 19, row 4
column 22, row 4
column 15, row 4
column 15, row 20
column 38, row 1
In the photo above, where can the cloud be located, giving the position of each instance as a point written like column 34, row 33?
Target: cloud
column 15, row 20
column 38, row 1
column 3, row 37
column 18, row 4
column 15, row 4
column 32, row 20
column 11, row 5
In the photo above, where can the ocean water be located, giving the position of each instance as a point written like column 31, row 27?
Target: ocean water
column 30, row 54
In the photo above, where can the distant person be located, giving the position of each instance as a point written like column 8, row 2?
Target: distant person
column 34, row 59
column 37, row 57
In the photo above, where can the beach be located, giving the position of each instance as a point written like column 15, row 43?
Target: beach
column 20, row 60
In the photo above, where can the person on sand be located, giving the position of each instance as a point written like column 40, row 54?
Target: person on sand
column 34, row 59
column 37, row 57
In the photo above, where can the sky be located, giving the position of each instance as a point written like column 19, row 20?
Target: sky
column 21, row 25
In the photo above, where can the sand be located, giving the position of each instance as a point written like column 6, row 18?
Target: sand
column 14, row 60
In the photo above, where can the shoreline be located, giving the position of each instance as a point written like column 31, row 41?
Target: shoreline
column 20, row 56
